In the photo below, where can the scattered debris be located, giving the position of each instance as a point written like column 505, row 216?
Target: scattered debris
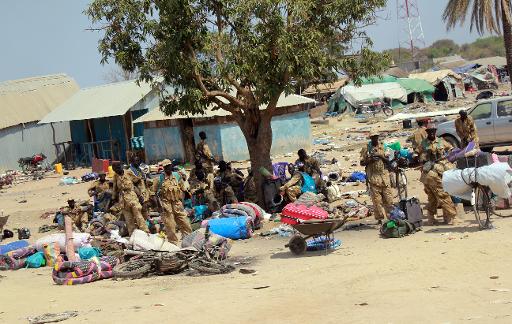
column 52, row 317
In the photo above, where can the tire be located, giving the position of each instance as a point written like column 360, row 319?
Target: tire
column 452, row 140
column 133, row 269
column 482, row 207
column 209, row 267
column 297, row 245
column 388, row 111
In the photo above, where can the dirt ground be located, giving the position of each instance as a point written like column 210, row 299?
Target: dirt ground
column 443, row 274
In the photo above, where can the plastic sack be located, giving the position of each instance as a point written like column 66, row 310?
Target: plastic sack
column 87, row 253
column 51, row 253
column 142, row 241
column 333, row 193
column 235, row 228
column 397, row 214
column 395, row 146
column 79, row 240
column 357, row 176
column 36, row 260
column 13, row 246
column 496, row 176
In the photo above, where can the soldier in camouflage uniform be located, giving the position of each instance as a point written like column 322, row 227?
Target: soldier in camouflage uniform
column 124, row 190
column 432, row 152
column 170, row 192
column 374, row 161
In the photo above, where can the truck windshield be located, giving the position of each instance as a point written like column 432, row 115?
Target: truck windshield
column 482, row 111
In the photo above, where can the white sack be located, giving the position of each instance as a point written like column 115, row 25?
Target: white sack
column 79, row 240
column 141, row 241
column 496, row 176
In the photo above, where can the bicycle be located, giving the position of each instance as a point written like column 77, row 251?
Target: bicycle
column 398, row 166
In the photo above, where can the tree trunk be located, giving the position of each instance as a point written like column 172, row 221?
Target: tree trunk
column 257, row 131
column 507, row 35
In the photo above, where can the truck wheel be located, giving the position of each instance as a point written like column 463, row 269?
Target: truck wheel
column 452, row 140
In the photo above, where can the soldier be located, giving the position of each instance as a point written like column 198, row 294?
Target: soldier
column 193, row 178
column 293, row 188
column 432, row 153
column 170, row 192
column 233, row 179
column 374, row 161
column 419, row 135
column 222, row 194
column 78, row 216
column 311, row 167
column 138, row 178
column 250, row 192
column 203, row 153
column 126, row 192
column 466, row 129
column 100, row 190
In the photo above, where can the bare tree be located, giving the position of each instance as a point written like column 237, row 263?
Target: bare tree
column 117, row 74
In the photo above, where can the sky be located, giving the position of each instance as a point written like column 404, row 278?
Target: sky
column 40, row 37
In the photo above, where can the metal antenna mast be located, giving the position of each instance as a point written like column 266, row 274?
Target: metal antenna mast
column 410, row 29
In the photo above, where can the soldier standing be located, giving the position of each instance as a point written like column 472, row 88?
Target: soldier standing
column 373, row 159
column 125, row 191
column 170, row 192
column 432, row 152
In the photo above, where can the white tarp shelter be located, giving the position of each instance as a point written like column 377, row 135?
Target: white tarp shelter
column 372, row 92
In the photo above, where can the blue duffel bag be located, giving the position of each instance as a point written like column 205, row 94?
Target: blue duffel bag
column 234, row 228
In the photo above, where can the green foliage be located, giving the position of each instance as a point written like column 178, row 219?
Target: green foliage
column 482, row 47
column 236, row 54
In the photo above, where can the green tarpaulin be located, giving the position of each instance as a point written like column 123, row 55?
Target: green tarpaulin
column 416, row 85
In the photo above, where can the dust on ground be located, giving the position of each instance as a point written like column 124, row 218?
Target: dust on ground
column 443, row 274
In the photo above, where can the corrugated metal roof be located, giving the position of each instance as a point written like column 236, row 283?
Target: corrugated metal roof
column 496, row 60
column 325, row 87
column 435, row 77
column 157, row 114
column 108, row 100
column 28, row 100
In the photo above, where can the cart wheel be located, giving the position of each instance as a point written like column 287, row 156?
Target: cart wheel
column 297, row 244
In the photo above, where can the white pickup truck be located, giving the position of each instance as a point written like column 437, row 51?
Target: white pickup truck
column 493, row 120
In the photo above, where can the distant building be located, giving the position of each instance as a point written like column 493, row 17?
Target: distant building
column 101, row 119
column 175, row 136
column 23, row 103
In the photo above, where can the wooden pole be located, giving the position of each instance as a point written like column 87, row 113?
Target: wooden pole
column 111, row 141
column 126, row 136
column 70, row 247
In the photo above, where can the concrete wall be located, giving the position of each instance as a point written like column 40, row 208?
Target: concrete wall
column 19, row 141
column 163, row 143
column 289, row 133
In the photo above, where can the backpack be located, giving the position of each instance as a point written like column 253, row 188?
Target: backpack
column 308, row 183
column 396, row 229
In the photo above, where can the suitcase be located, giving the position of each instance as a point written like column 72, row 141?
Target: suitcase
column 482, row 159
column 412, row 209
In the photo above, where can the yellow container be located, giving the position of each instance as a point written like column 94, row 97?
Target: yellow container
column 110, row 171
column 58, row 168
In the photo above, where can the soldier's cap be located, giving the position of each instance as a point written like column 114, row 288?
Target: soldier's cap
column 166, row 162
column 374, row 133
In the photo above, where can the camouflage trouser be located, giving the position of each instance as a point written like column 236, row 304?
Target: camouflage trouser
column 80, row 221
column 132, row 213
column 382, row 199
column 293, row 193
column 173, row 214
column 437, row 197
